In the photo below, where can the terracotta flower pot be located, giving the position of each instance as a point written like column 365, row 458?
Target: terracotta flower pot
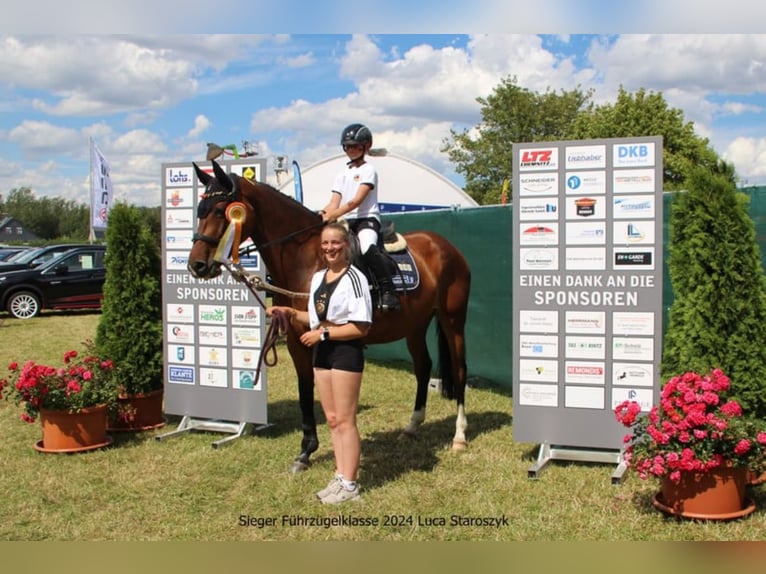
column 138, row 412
column 718, row 494
column 71, row 431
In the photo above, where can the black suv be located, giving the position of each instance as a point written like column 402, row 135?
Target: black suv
column 70, row 280
column 37, row 255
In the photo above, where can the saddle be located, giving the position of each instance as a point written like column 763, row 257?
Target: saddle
column 404, row 271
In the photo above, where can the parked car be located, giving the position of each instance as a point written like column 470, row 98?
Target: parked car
column 71, row 280
column 8, row 251
column 33, row 257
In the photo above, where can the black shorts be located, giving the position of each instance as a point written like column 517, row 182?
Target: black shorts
column 340, row 355
column 359, row 223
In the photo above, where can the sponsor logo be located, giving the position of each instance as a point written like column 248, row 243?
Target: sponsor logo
column 538, row 258
column 585, row 206
column 181, row 375
column 539, row 183
column 539, row 159
column 633, row 154
column 633, row 258
column 586, row 156
column 539, row 231
column 176, row 177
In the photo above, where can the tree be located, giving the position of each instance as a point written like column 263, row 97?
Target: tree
column 718, row 315
column 511, row 114
column 48, row 217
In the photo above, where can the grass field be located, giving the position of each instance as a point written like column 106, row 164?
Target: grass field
column 181, row 489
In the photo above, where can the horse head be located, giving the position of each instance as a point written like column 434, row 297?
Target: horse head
column 221, row 189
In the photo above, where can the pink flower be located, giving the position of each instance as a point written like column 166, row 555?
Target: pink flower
column 742, row 447
column 731, row 409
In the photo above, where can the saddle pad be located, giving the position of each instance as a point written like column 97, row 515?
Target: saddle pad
column 407, row 277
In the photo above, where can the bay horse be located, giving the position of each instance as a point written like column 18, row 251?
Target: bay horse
column 287, row 236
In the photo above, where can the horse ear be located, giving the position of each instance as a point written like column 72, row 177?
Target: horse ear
column 204, row 177
column 222, row 176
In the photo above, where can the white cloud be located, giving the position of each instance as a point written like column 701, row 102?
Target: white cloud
column 201, row 125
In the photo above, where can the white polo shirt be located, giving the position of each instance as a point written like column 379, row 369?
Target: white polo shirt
column 347, row 183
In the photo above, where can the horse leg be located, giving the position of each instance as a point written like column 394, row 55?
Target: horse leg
column 310, row 440
column 452, row 345
column 416, row 345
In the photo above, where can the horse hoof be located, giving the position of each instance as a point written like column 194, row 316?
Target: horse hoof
column 298, row 467
column 459, row 445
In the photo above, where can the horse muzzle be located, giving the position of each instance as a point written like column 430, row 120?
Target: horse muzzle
column 202, row 270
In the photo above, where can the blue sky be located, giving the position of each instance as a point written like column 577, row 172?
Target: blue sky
column 152, row 98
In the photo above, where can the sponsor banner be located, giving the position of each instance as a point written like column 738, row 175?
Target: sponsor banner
column 539, row 321
column 182, row 375
column 246, row 336
column 633, row 232
column 585, row 258
column 179, row 198
column 245, row 315
column 584, row 373
column 538, row 395
column 541, row 371
column 180, row 333
column 184, row 354
column 626, row 259
column 538, row 184
column 632, row 349
column 539, row 234
column 213, row 335
column 585, row 233
column 215, row 314
column 176, row 260
column 179, row 219
column 245, row 379
column 213, row 378
column 633, row 181
column 586, row 182
column 586, row 207
column 585, row 322
column 584, row 397
column 540, row 159
column 212, row 356
column 633, row 155
column 102, row 189
column 585, row 347
column 632, row 375
column 633, row 207
column 585, row 157
column 542, row 258
column 632, row 323
column 539, row 346
column 538, row 208
column 179, row 176
column 178, row 239
column 644, row 397
column 179, row 313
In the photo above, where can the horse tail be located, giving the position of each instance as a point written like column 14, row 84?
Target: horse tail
column 446, row 372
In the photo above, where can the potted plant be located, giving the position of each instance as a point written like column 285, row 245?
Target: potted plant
column 72, row 400
column 129, row 331
column 698, row 443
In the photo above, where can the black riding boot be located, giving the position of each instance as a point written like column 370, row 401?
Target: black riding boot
column 378, row 264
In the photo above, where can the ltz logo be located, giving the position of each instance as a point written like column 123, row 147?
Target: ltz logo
column 536, row 157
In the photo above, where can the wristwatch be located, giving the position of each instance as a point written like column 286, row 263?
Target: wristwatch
column 325, row 336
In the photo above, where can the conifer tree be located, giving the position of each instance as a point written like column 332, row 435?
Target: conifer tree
column 130, row 328
column 718, row 316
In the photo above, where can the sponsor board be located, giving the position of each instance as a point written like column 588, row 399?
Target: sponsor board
column 182, row 375
column 632, row 375
column 245, row 379
column 539, row 159
column 184, row 354
column 585, row 258
column 633, row 181
column 179, row 218
column 633, row 232
column 632, row 349
column 541, row 371
column 180, row 333
column 179, row 176
column 213, row 378
column 176, row 260
column 539, row 321
column 539, row 234
column 633, row 154
column 585, row 322
column 538, row 184
column 213, row 356
column 538, row 395
column 644, row 397
column 542, row 258
column 244, row 358
column 539, row 346
column 587, row 373
column 585, row 156
column 632, row 323
column 179, row 313
column 585, row 347
column 633, row 206
column 245, row 315
column 215, row 314
column 246, row 336
column 584, row 397
column 533, row 208
column 212, row 335
column 179, row 198
column 585, row 233
column 586, row 183
column 178, row 238
column 633, row 259
column 586, row 207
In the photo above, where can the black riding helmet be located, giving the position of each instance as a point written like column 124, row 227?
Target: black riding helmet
column 356, row 134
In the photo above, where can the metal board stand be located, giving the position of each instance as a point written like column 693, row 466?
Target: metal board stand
column 191, row 424
column 550, row 452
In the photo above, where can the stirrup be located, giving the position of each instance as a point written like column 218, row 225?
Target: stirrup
column 388, row 301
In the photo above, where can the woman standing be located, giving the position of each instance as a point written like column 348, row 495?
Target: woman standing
column 339, row 316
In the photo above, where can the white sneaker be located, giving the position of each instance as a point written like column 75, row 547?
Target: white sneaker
column 329, row 488
column 340, row 494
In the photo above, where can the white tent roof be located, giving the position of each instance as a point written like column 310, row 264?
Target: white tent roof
column 405, row 185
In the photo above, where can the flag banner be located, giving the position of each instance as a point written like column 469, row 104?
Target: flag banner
column 101, row 189
column 298, row 182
